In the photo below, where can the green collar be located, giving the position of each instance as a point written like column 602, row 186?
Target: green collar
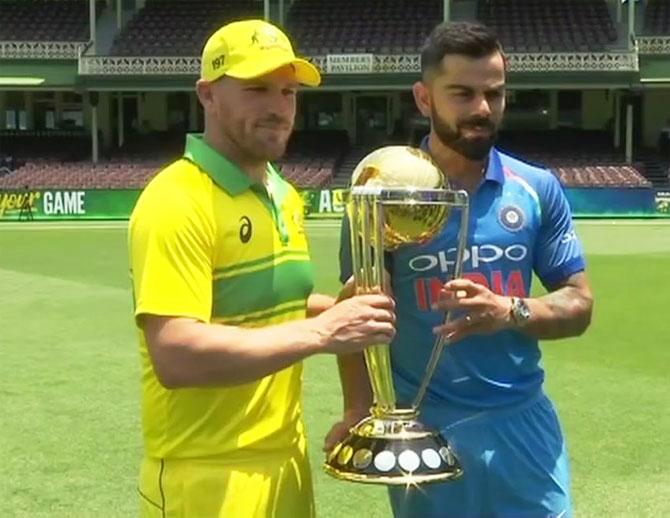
column 234, row 181
column 225, row 173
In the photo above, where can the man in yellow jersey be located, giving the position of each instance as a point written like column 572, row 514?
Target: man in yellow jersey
column 222, row 287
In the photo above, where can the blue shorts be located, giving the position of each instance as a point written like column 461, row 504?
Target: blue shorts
column 515, row 465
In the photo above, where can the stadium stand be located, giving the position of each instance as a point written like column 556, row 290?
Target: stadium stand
column 178, row 28
column 45, row 20
column 59, row 145
column 579, row 158
column 374, row 26
column 549, row 25
column 657, row 18
column 313, row 159
column 601, row 176
column 564, row 146
column 60, row 160
column 47, row 174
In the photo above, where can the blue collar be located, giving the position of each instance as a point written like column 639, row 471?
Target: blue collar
column 494, row 169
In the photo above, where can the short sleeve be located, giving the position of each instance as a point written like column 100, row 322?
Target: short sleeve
column 170, row 243
column 558, row 250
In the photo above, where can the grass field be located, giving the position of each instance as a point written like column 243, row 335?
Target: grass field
column 69, row 376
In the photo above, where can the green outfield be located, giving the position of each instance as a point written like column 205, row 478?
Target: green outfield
column 69, row 376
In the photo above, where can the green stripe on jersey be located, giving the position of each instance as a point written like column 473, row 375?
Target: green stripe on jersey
column 260, row 263
column 261, row 290
column 260, row 316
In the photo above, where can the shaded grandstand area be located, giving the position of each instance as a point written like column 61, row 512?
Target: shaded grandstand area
column 178, row 28
column 550, row 25
column 313, row 160
column 562, row 147
column 579, row 158
column 324, row 158
column 61, row 159
column 313, row 157
column 45, row 20
column 352, row 26
column 657, row 18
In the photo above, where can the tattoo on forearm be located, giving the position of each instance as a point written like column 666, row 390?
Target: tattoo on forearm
column 563, row 301
column 569, row 313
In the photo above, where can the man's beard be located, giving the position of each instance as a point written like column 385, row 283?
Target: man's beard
column 254, row 150
column 476, row 148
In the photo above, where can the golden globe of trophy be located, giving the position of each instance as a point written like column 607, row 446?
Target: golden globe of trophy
column 398, row 196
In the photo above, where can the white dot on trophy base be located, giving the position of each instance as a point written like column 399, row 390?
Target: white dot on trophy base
column 409, row 460
column 431, row 458
column 385, row 461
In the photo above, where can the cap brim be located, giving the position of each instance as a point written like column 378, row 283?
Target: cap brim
column 306, row 73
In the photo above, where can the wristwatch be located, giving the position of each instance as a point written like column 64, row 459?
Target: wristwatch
column 519, row 311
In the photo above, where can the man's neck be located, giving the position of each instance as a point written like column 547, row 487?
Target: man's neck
column 255, row 169
column 465, row 173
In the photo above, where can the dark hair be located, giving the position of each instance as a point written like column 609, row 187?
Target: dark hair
column 473, row 40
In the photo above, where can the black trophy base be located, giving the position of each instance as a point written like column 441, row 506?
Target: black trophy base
column 393, row 450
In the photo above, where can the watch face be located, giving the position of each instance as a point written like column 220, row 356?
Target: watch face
column 521, row 310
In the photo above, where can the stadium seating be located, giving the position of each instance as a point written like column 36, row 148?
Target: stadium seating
column 657, row 18
column 579, row 158
column 313, row 157
column 306, row 173
column 374, row 26
column 45, row 20
column 549, row 25
column 564, row 146
column 62, row 159
column 57, row 145
column 178, row 28
column 47, row 174
column 601, row 176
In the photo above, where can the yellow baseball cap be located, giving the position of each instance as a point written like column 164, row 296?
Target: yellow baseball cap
column 252, row 48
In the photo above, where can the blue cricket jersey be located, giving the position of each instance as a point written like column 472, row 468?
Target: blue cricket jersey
column 520, row 223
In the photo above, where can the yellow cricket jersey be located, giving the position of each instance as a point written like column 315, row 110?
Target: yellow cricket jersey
column 207, row 243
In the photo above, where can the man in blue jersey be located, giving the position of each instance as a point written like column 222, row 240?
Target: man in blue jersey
column 486, row 396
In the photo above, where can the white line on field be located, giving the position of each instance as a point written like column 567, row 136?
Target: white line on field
column 43, row 225
column 623, row 222
column 311, row 224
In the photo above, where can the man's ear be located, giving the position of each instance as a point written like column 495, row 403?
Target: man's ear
column 203, row 90
column 422, row 98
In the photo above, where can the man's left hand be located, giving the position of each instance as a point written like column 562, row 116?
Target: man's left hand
column 339, row 431
column 484, row 311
